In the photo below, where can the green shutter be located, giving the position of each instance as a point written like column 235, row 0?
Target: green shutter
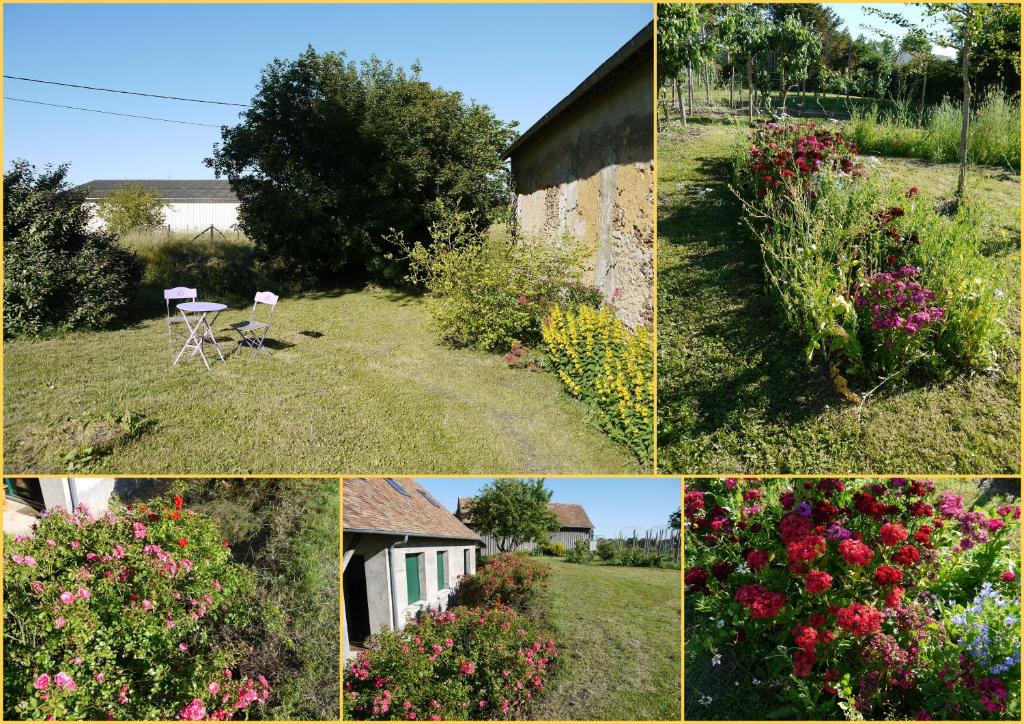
column 442, row 577
column 412, row 576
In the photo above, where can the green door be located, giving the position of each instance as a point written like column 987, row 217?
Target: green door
column 412, row 576
column 442, row 574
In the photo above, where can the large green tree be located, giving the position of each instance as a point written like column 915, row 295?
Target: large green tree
column 796, row 46
column 513, row 511
column 331, row 156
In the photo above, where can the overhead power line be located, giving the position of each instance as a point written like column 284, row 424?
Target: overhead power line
column 112, row 113
column 124, row 92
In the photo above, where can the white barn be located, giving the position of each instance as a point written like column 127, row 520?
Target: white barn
column 191, row 205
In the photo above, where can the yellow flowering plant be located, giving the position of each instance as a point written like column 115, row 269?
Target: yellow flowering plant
column 604, row 363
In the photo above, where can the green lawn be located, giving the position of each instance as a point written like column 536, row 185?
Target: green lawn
column 734, row 394
column 618, row 632
column 357, row 382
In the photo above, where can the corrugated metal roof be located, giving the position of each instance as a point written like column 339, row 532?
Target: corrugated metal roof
column 638, row 49
column 170, row 190
column 374, row 505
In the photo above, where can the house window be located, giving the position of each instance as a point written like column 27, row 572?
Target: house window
column 413, row 584
column 466, row 552
column 442, row 570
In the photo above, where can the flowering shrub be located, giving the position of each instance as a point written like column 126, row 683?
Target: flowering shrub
column 600, row 361
column 506, row 578
column 781, row 155
column 133, row 615
column 873, row 278
column 465, row 663
column 880, row 596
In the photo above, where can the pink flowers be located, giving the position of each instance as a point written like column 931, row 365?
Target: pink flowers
column 147, row 605
column 24, row 560
column 84, row 594
column 67, row 598
column 138, row 530
column 42, row 682
column 59, row 622
column 214, row 687
column 466, row 668
column 194, row 711
column 64, row 681
column 183, row 646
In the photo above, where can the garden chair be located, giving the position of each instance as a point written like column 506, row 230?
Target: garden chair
column 176, row 294
column 254, row 331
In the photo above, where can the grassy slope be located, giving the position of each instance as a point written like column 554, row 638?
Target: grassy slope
column 729, row 686
column 375, row 391
column 287, row 531
column 734, row 392
column 618, row 630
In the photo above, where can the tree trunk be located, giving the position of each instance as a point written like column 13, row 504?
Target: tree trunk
column 689, row 88
column 783, row 91
column 750, row 87
column 924, row 83
column 966, row 111
column 732, row 89
column 679, row 100
column 707, row 83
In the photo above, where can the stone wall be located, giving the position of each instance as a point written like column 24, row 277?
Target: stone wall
column 590, row 173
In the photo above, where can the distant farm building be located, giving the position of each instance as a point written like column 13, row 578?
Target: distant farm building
column 191, row 205
column 574, row 525
column 586, row 169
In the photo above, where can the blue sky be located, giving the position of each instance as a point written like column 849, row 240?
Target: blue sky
column 860, row 22
column 613, row 504
column 518, row 59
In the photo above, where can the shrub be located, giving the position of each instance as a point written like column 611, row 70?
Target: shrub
column 837, row 589
column 506, row 578
column 492, row 293
column 580, row 553
column 139, row 614
column 601, row 362
column 132, row 206
column 608, row 549
column 552, row 549
column 59, row 275
column 871, row 275
column 465, row 663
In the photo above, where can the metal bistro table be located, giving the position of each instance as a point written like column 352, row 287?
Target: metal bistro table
column 202, row 331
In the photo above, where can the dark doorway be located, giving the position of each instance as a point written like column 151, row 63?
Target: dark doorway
column 26, row 490
column 357, row 608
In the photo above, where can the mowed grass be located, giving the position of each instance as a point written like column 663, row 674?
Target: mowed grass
column 734, row 391
column 731, row 687
column 357, row 382
column 618, row 633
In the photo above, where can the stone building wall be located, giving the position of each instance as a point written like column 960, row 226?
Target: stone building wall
column 590, row 173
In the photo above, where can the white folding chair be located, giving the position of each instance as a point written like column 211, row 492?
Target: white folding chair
column 178, row 293
column 254, row 331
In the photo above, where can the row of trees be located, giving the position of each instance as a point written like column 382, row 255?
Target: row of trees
column 775, row 48
column 799, row 42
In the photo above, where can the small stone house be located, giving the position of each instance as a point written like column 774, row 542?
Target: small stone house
column 586, row 169
column 574, row 525
column 403, row 553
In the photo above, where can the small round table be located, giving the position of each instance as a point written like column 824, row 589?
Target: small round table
column 201, row 332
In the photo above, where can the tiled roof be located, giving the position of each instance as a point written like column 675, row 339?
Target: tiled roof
column 373, row 504
column 570, row 515
column 170, row 190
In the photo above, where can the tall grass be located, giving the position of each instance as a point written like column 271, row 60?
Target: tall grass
column 993, row 137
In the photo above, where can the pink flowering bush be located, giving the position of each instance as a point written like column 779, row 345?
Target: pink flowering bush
column 871, row 276
column 465, row 663
column 874, row 599
column 138, row 614
column 507, row 578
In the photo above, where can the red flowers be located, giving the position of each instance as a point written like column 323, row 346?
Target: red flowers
column 183, row 542
column 1007, row 575
column 178, row 502
column 757, row 559
column 907, row 556
column 696, row 579
column 793, row 526
column 887, row 575
column 805, row 549
column 859, row 619
column 761, row 602
column 855, row 553
column 817, row 581
column 892, row 533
